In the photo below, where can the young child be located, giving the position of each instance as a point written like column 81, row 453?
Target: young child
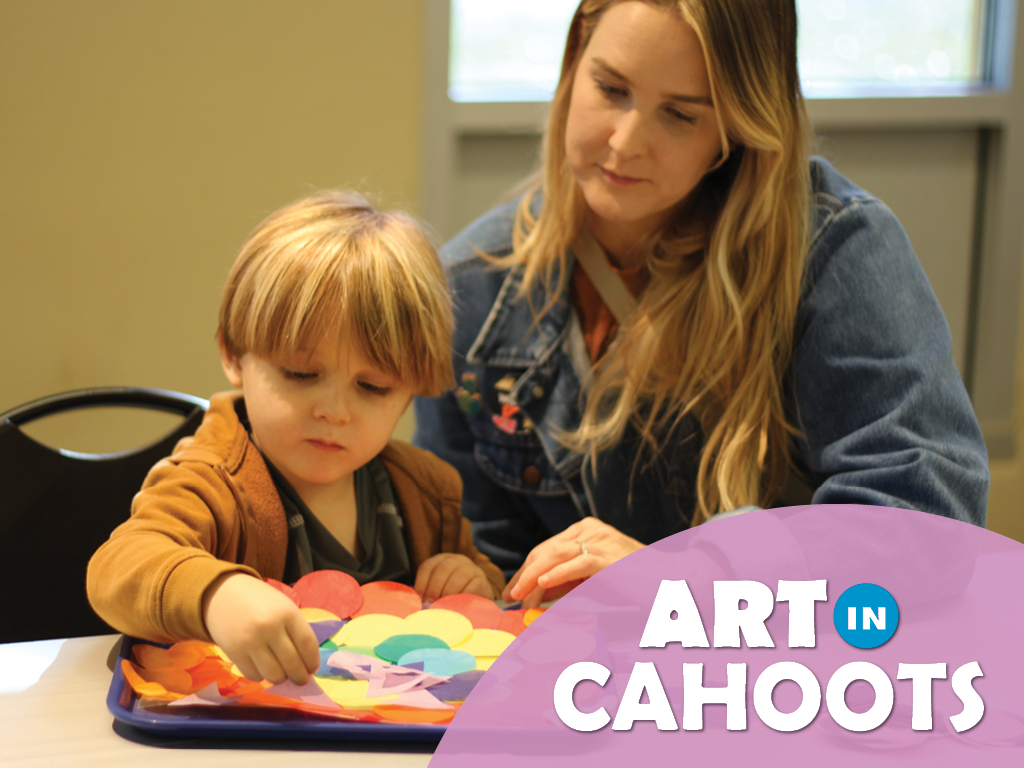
column 333, row 317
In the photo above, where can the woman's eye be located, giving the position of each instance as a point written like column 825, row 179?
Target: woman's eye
column 610, row 91
column 675, row 114
column 297, row 375
column 373, row 389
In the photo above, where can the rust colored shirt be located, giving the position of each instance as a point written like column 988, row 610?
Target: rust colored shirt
column 597, row 321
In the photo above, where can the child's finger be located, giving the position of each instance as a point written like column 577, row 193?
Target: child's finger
column 438, row 578
column 267, row 666
column 289, row 659
column 425, row 573
column 458, row 580
column 304, row 638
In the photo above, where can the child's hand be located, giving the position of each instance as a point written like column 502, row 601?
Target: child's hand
column 260, row 629
column 450, row 574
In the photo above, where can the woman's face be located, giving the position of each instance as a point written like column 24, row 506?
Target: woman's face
column 642, row 130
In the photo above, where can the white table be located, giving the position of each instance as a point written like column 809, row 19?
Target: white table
column 63, row 720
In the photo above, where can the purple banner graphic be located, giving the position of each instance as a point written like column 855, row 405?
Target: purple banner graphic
column 833, row 635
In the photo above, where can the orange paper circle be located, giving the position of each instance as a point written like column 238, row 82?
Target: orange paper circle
column 389, row 597
column 481, row 612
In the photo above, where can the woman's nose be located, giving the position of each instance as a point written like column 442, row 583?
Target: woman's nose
column 629, row 136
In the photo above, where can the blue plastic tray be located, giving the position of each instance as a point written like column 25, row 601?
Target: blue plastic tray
column 248, row 722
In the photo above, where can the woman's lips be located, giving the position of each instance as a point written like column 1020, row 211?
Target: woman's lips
column 615, row 178
column 325, row 445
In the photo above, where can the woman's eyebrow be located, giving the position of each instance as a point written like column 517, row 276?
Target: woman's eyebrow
column 703, row 100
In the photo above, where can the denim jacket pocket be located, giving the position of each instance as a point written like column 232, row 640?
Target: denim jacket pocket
column 515, row 462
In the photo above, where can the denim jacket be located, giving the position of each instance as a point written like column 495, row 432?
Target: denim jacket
column 884, row 416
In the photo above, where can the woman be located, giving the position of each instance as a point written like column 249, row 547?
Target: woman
column 782, row 324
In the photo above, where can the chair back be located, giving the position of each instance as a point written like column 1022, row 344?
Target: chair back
column 57, row 507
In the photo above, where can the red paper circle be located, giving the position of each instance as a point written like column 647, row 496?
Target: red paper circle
column 389, row 597
column 511, row 621
column 333, row 591
column 481, row 612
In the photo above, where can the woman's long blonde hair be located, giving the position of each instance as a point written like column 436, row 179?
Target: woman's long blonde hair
column 712, row 334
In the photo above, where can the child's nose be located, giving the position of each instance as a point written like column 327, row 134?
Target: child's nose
column 334, row 409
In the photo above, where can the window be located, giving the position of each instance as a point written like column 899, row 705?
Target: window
column 510, row 50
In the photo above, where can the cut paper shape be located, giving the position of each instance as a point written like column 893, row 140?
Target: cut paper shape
column 532, row 614
column 324, row 630
column 442, row 662
column 419, row 699
column 315, row 615
column 397, row 646
column 333, row 591
column 326, row 670
column 310, row 693
column 211, row 670
column 372, row 629
column 511, row 621
column 481, row 612
column 393, row 679
column 363, row 650
column 144, row 687
column 486, row 642
column 205, row 697
column 389, row 597
column 329, row 645
column 285, row 590
column 483, row 663
column 183, row 655
column 405, row 715
column 458, row 687
column 351, row 694
column 450, row 626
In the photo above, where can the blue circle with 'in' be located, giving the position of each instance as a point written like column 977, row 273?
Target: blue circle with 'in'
column 866, row 615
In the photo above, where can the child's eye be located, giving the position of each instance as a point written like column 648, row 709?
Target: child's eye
column 373, row 389
column 297, row 375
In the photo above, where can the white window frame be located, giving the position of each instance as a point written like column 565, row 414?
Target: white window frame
column 995, row 110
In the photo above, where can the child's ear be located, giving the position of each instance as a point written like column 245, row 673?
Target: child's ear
column 232, row 365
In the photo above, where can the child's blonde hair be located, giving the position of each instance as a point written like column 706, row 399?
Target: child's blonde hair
column 332, row 264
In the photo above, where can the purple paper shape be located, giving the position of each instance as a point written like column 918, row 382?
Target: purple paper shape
column 457, row 688
column 958, row 588
column 325, row 630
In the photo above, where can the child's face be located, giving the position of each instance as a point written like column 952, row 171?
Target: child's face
column 318, row 417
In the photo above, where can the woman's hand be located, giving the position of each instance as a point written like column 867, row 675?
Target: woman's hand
column 451, row 574
column 560, row 563
column 261, row 630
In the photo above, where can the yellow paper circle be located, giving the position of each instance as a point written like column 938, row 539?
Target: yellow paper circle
column 452, row 627
column 486, row 642
column 371, row 630
column 318, row 614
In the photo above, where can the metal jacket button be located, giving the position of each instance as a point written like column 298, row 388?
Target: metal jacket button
column 538, row 392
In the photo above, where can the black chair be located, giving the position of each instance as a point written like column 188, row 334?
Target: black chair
column 57, row 507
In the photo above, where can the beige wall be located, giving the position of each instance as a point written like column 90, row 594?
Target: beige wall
column 140, row 142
